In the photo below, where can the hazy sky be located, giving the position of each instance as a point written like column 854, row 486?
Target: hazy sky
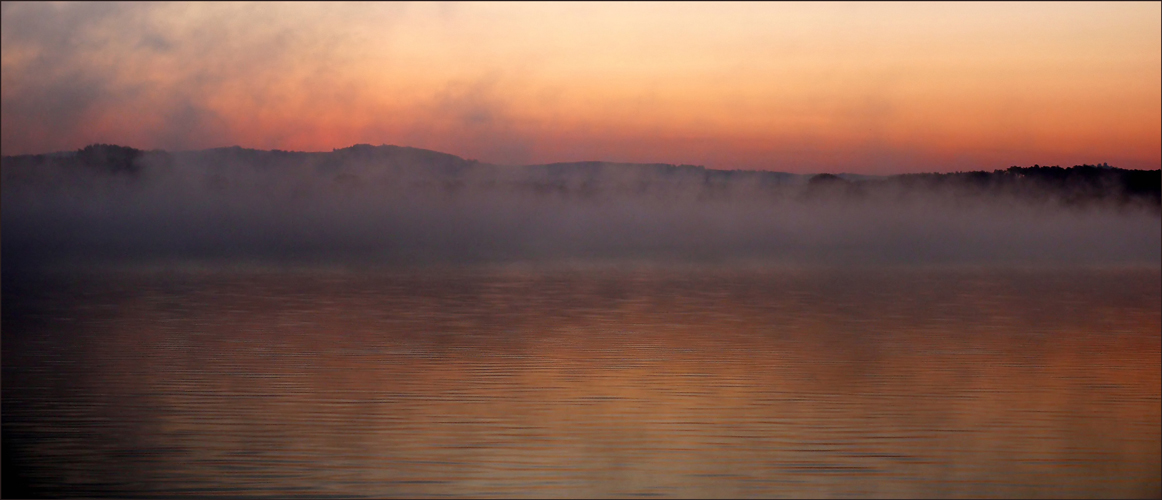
column 814, row 87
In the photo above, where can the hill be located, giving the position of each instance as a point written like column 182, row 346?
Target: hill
column 395, row 166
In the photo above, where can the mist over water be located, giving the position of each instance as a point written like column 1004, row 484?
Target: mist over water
column 401, row 206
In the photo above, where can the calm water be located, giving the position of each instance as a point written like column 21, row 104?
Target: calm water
column 510, row 382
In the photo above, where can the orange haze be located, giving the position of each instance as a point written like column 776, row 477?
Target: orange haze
column 871, row 88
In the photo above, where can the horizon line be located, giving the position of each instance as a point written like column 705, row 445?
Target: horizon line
column 384, row 145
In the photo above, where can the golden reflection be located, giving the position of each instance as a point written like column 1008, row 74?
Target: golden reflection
column 604, row 384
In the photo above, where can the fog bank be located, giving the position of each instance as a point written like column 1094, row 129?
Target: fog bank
column 397, row 206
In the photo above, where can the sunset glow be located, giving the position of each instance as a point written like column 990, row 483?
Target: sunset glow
column 868, row 88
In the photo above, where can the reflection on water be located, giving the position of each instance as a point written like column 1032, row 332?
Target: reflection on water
column 585, row 383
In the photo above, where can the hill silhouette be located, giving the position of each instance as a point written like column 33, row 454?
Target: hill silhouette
column 392, row 205
column 393, row 165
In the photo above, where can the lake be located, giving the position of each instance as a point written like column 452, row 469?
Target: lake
column 697, row 381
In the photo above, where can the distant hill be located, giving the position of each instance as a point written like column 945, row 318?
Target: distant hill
column 391, row 205
column 396, row 165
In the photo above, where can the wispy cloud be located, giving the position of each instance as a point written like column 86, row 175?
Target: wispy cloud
column 883, row 88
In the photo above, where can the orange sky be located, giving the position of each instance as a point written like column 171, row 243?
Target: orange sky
column 874, row 88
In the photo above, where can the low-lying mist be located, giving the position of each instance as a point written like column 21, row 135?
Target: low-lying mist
column 393, row 206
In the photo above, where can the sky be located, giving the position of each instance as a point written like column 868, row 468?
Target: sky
column 870, row 88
